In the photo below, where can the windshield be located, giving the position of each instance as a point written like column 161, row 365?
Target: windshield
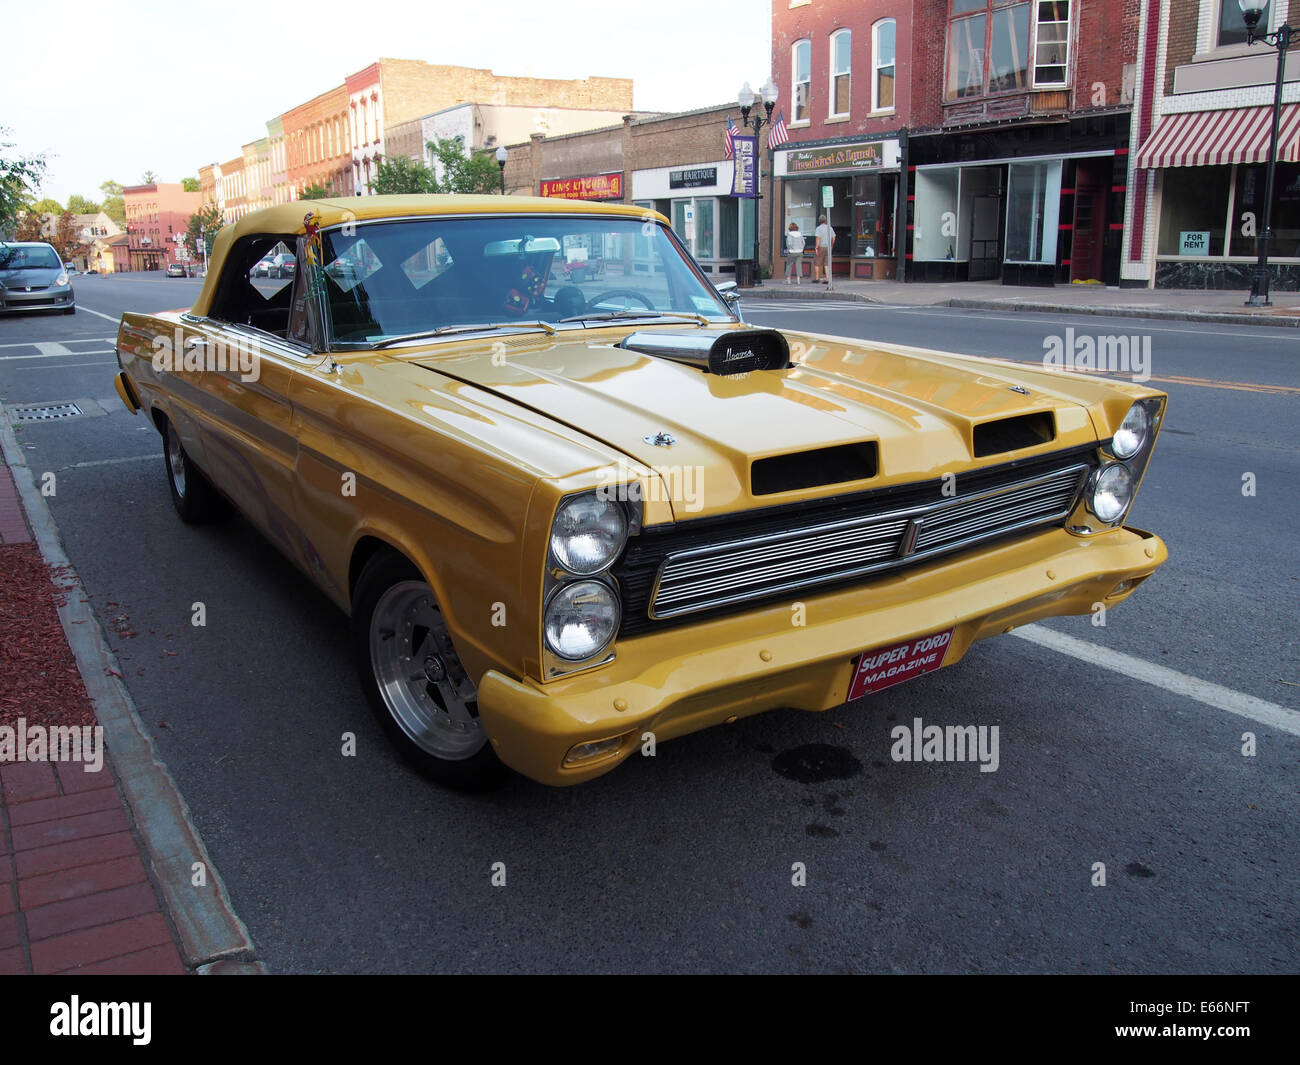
column 386, row 280
column 39, row 257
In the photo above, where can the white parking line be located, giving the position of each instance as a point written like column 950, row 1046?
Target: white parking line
column 109, row 462
column 112, row 318
column 1203, row 691
column 66, row 340
column 74, row 366
column 65, row 353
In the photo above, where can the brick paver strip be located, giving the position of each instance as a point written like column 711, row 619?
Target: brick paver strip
column 12, row 962
column 103, row 907
column 8, row 904
column 38, row 810
column 9, row 936
column 83, row 880
column 74, row 778
column 78, row 852
column 24, row 781
column 156, row 961
column 6, row 869
column 99, row 944
column 85, row 826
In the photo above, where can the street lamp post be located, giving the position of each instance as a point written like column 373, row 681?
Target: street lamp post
column 1251, row 10
column 746, row 98
column 501, row 165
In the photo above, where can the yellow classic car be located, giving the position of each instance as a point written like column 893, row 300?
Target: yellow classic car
column 566, row 509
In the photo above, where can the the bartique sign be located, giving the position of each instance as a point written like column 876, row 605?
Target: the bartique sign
column 697, row 178
column 595, row 187
column 843, row 157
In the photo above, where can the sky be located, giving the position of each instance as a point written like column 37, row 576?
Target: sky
column 116, row 89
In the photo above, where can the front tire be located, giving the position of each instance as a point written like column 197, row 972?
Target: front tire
column 413, row 679
column 193, row 496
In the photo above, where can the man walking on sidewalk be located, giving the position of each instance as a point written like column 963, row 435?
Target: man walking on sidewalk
column 824, row 236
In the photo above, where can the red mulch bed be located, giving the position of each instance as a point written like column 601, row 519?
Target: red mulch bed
column 38, row 675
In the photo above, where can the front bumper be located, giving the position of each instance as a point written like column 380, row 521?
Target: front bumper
column 12, row 299
column 684, row 679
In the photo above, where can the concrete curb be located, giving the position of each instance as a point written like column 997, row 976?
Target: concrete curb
column 209, row 931
column 767, row 293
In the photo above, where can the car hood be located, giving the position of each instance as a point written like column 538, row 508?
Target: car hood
column 40, row 276
column 918, row 408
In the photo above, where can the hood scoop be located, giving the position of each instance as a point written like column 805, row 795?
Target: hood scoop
column 738, row 351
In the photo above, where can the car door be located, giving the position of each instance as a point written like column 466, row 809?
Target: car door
column 249, row 378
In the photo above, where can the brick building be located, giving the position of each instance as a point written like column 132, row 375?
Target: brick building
column 674, row 164
column 1018, row 151
column 1200, row 129
column 155, row 214
column 318, row 144
column 847, row 80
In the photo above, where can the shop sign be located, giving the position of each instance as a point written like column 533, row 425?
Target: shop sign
column 697, row 178
column 744, row 182
column 1194, row 242
column 842, row 157
column 596, row 187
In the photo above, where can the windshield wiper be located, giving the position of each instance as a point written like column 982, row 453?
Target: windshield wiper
column 449, row 330
column 613, row 316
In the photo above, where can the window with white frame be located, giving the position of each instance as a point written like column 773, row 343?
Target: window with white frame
column 1052, row 43
column 841, row 72
column 801, row 79
column 1231, row 27
column 883, row 65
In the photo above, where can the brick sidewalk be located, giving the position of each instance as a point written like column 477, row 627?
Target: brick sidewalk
column 75, row 895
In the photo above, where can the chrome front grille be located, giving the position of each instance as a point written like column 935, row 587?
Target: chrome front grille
column 742, row 569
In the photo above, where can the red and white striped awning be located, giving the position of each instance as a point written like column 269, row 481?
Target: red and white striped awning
column 1216, row 138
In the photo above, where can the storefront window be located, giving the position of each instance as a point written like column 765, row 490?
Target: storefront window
column 1194, row 205
column 693, row 221
column 1248, row 211
column 801, row 206
column 1033, row 207
column 866, row 216
column 934, row 233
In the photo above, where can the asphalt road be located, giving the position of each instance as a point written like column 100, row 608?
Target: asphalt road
column 684, row 862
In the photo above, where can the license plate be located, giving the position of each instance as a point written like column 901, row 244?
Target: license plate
column 884, row 667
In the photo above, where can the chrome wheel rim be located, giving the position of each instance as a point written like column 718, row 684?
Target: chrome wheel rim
column 176, row 461
column 420, row 676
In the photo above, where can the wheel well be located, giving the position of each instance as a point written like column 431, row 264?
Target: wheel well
column 366, row 548
column 159, row 421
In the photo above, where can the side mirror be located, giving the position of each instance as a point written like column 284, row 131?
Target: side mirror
column 730, row 296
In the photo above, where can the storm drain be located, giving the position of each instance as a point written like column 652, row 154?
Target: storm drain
column 44, row 412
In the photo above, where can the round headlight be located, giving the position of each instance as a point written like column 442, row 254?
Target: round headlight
column 580, row 619
column 1132, row 432
column 588, row 534
column 1112, row 492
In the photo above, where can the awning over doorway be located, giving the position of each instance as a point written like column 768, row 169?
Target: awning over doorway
column 1217, row 138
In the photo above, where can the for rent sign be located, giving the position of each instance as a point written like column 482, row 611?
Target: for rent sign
column 595, row 187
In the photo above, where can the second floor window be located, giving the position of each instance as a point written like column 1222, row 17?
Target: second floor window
column 1232, row 27
column 841, row 61
column 990, row 42
column 882, row 62
column 801, row 78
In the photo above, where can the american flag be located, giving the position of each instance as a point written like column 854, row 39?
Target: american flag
column 778, row 134
column 728, row 146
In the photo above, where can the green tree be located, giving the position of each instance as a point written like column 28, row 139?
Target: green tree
column 315, row 192
column 190, row 184
column 472, row 172
column 114, row 205
column 47, row 206
column 148, row 177
column 81, row 205
column 19, row 177
column 206, row 219
column 399, row 175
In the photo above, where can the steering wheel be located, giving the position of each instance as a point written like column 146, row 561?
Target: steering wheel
column 627, row 293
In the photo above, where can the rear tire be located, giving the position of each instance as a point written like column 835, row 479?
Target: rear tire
column 70, row 310
column 414, row 681
column 193, row 496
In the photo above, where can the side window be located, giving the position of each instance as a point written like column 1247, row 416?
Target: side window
column 257, row 283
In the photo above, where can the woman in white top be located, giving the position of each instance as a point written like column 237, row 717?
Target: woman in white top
column 794, row 254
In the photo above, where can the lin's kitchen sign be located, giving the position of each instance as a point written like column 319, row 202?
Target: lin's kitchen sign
column 598, row 187
column 844, row 157
column 698, row 178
